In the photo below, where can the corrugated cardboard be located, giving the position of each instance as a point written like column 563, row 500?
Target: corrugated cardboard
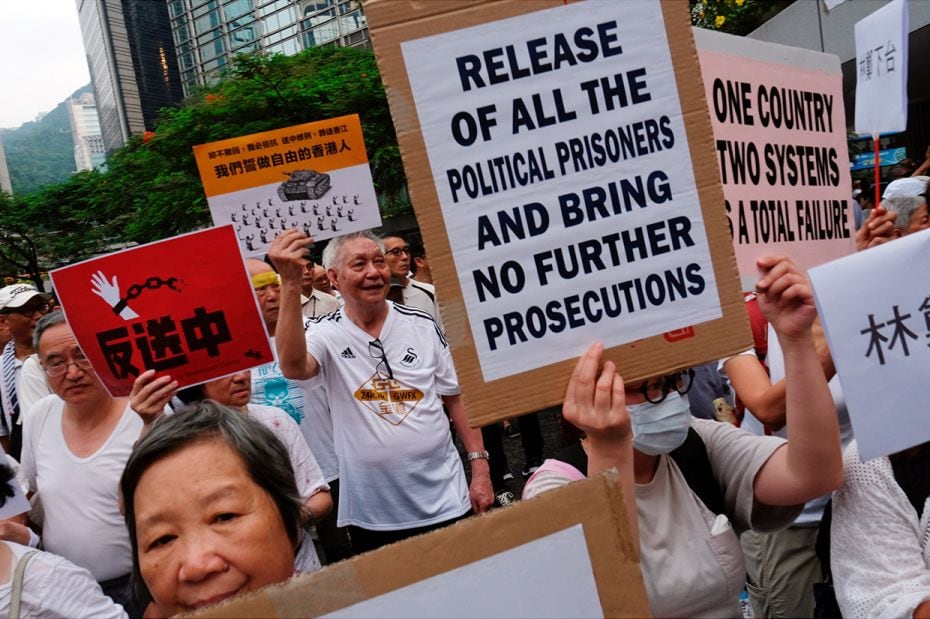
column 392, row 22
column 597, row 504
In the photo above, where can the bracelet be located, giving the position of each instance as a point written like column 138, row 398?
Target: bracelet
column 477, row 455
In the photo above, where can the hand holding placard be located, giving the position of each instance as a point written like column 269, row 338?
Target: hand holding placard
column 785, row 297
column 287, row 252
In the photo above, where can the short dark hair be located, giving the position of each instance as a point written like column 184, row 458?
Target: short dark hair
column 416, row 251
column 266, row 459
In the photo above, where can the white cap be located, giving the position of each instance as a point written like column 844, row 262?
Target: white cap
column 910, row 186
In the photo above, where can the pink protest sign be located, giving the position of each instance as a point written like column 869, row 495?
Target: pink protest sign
column 780, row 134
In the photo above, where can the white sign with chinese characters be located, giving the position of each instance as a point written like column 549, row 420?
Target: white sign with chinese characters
column 881, row 70
column 875, row 310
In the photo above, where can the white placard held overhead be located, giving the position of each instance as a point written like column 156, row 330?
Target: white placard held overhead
column 559, row 153
column 875, row 309
column 881, row 70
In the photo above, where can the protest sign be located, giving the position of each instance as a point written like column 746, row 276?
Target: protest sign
column 313, row 177
column 562, row 194
column 881, row 70
column 875, row 310
column 780, row 132
column 567, row 553
column 183, row 306
column 16, row 503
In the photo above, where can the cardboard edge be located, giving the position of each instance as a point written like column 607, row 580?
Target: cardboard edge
column 596, row 501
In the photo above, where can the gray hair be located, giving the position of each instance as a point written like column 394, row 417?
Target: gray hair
column 331, row 255
column 904, row 207
column 46, row 322
column 266, row 459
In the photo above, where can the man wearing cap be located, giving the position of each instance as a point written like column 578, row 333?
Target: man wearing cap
column 22, row 382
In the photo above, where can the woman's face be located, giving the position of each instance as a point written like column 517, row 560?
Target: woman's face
column 205, row 530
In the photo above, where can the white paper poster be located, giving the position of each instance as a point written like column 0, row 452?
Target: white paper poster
column 881, row 70
column 548, row 577
column 15, row 503
column 559, row 154
column 875, row 309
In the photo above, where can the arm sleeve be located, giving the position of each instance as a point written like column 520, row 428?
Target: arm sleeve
column 553, row 474
column 33, row 386
column 66, row 590
column 736, row 458
column 879, row 569
column 307, row 471
column 447, row 382
column 316, row 347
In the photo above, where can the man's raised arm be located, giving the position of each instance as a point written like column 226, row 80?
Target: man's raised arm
column 287, row 252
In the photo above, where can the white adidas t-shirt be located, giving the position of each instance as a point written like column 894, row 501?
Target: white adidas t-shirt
column 308, row 407
column 80, row 496
column 398, row 466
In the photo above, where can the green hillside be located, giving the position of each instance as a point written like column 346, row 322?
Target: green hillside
column 40, row 153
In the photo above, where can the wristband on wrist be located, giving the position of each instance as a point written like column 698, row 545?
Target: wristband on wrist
column 33, row 539
column 477, row 455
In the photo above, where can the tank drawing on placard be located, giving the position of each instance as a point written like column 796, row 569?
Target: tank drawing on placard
column 304, row 185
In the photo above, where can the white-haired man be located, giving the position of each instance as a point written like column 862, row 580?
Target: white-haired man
column 387, row 371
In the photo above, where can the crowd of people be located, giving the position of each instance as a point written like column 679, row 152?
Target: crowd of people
column 173, row 499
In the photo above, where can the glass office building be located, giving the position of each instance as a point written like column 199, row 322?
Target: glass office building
column 209, row 33
column 132, row 63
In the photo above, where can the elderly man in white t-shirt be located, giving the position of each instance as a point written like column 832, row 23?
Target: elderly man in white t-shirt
column 387, row 372
column 75, row 445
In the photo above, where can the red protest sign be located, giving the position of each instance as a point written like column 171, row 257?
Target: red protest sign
column 183, row 306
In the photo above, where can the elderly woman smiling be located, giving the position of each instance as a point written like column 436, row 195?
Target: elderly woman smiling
column 212, row 509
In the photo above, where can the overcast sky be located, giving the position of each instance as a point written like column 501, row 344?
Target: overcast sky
column 41, row 57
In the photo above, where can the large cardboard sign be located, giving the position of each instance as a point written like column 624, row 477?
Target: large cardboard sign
column 875, row 309
column 183, row 306
column 780, row 133
column 881, row 70
column 561, row 166
column 567, row 553
column 313, row 177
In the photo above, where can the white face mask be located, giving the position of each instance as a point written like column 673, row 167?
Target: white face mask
column 660, row 428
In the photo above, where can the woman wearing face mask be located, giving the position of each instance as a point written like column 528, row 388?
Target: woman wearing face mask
column 688, row 528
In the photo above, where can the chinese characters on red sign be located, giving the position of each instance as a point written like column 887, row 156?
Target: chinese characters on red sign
column 183, row 306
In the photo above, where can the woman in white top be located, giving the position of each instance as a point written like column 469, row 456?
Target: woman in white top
column 49, row 586
column 690, row 557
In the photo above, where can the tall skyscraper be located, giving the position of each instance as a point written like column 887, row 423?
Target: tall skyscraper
column 209, row 33
column 89, row 151
column 132, row 62
column 5, row 184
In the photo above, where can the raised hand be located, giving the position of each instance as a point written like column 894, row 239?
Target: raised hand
column 785, row 297
column 287, row 252
column 876, row 230
column 150, row 395
column 595, row 402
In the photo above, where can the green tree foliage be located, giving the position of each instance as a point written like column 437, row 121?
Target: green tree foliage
column 151, row 188
column 734, row 16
